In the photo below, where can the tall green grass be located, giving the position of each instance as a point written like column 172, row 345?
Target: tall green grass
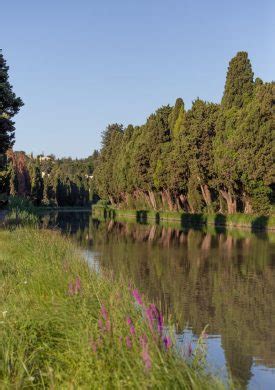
column 21, row 212
column 64, row 326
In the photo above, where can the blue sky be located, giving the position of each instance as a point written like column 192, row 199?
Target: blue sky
column 79, row 65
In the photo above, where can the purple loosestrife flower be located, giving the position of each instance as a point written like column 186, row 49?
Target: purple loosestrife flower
column 74, row 287
column 132, row 330
column 144, row 352
column 93, row 345
column 108, row 325
column 129, row 321
column 190, row 350
column 150, row 317
column 137, row 297
column 154, row 318
column 158, row 317
column 132, row 327
column 104, row 312
column 100, row 324
column 128, row 342
column 160, row 323
column 167, row 342
column 143, row 340
column 71, row 289
column 146, row 357
column 77, row 286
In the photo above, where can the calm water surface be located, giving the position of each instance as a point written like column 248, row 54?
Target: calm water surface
column 223, row 279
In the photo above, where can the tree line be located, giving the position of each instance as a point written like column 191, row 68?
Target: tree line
column 49, row 181
column 210, row 158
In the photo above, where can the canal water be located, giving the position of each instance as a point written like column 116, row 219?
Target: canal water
column 224, row 279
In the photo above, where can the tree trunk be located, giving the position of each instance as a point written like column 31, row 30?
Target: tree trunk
column 152, row 233
column 152, row 199
column 111, row 199
column 206, row 194
column 247, row 205
column 206, row 242
column 178, row 203
column 163, row 200
column 185, row 204
column 169, row 200
column 230, row 200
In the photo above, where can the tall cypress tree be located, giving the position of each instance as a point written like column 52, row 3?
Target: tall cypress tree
column 239, row 82
column 36, row 185
column 238, row 93
column 176, row 117
column 9, row 106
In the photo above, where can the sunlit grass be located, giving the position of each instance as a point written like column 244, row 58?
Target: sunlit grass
column 64, row 326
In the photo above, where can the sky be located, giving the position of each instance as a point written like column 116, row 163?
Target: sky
column 80, row 65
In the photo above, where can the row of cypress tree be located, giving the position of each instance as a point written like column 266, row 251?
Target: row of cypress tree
column 210, row 158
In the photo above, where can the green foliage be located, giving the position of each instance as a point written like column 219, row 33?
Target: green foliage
column 176, row 117
column 211, row 158
column 239, row 82
column 9, row 106
column 52, row 182
column 51, row 334
column 36, row 185
column 21, row 212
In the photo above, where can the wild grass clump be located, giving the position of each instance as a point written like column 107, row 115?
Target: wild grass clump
column 65, row 326
column 21, row 212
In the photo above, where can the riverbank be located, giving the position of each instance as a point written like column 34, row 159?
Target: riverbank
column 253, row 222
column 65, row 326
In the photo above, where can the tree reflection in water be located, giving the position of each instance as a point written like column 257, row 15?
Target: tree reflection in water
column 224, row 279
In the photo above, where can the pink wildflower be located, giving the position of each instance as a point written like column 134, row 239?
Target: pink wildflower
column 108, row 325
column 167, row 342
column 100, row 324
column 104, row 312
column 93, row 345
column 190, row 350
column 132, row 327
column 77, row 286
column 137, row 297
column 129, row 321
column 154, row 316
column 143, row 340
column 146, row 357
column 128, row 342
column 71, row 289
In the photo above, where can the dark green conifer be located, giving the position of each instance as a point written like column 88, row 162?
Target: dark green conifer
column 9, row 106
column 239, row 82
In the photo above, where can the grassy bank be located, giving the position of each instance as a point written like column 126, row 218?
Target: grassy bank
column 65, row 326
column 257, row 222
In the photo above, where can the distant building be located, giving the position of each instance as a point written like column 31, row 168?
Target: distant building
column 44, row 158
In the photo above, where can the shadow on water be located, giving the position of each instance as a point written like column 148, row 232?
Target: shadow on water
column 196, row 221
column 141, row 216
column 220, row 223
column 259, row 225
